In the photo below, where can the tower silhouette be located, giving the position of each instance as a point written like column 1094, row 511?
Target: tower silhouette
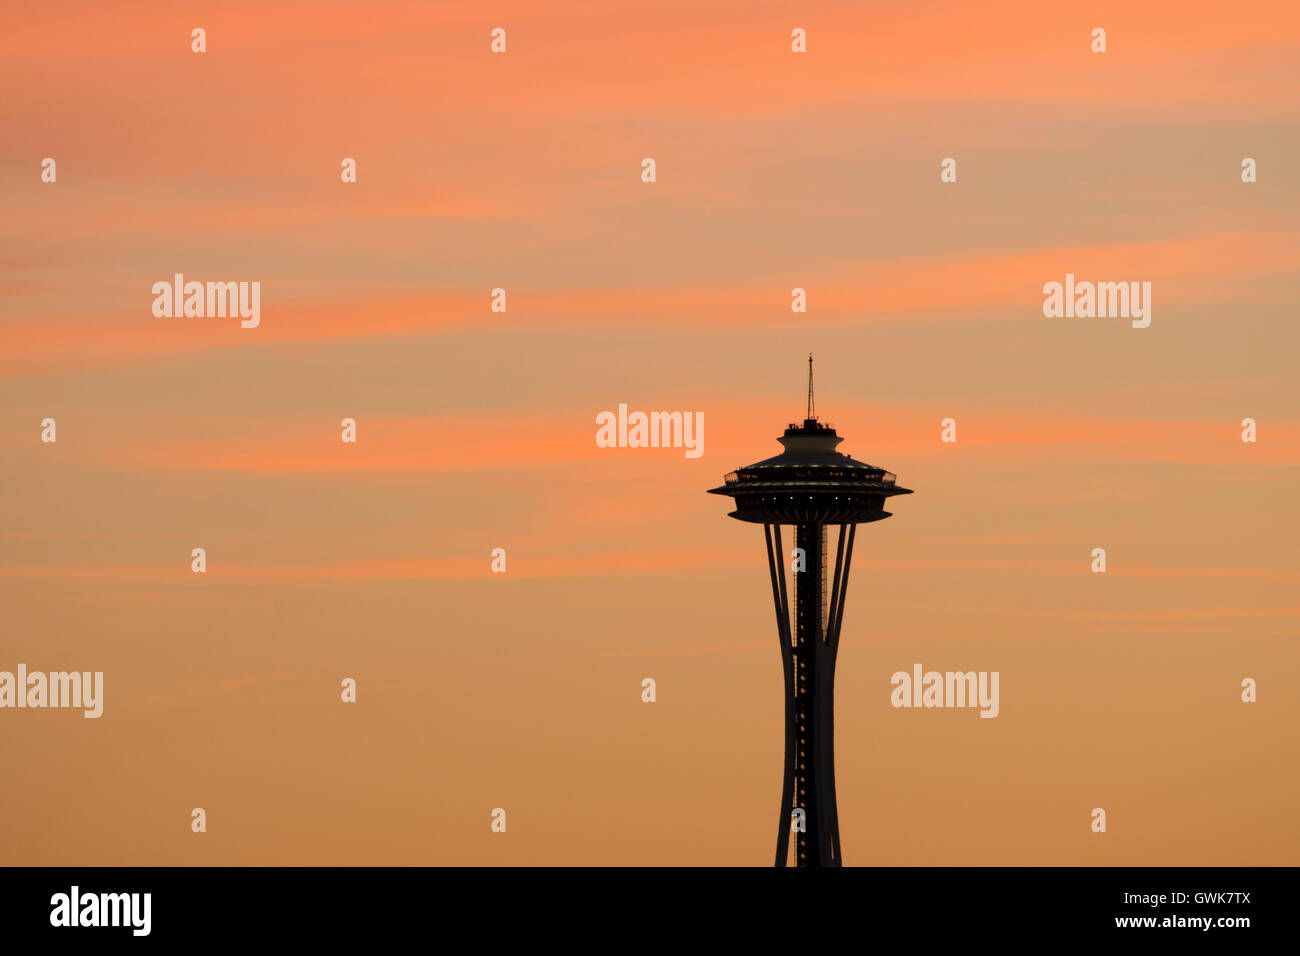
column 811, row 486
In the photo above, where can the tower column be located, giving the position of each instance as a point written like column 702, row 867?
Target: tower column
column 812, row 705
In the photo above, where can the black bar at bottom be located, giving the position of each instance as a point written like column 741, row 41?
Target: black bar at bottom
column 976, row 906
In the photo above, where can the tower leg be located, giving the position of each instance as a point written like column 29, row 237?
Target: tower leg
column 776, row 566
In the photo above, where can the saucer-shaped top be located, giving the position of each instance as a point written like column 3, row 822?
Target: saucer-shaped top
column 810, row 482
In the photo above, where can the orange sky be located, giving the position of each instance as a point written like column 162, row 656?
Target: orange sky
column 476, row 429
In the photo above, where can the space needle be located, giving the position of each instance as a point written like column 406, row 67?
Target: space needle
column 813, row 488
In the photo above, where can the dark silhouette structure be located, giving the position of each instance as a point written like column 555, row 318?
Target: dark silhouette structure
column 812, row 487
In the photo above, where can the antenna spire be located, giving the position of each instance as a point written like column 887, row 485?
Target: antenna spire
column 812, row 409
